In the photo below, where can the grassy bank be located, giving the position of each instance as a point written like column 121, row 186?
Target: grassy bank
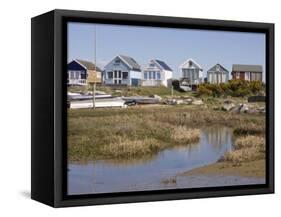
column 140, row 131
column 124, row 147
column 246, row 149
column 250, row 129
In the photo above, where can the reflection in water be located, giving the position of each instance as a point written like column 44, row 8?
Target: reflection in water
column 146, row 173
column 217, row 137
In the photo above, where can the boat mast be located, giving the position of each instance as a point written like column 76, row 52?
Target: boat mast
column 95, row 61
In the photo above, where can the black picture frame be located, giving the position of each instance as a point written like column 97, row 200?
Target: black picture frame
column 48, row 109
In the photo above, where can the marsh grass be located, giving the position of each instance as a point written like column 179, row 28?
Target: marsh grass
column 246, row 148
column 182, row 134
column 124, row 148
column 250, row 128
column 136, row 132
column 257, row 142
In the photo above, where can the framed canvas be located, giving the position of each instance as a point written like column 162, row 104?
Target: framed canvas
column 134, row 108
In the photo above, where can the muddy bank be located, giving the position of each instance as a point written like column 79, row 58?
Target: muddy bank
column 253, row 169
column 201, row 181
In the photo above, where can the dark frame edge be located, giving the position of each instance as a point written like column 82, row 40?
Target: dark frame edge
column 270, row 107
column 160, row 197
column 126, row 17
column 42, row 146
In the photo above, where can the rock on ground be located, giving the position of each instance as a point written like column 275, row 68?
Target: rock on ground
column 197, row 102
column 228, row 105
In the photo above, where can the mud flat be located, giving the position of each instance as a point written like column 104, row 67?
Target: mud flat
column 253, row 169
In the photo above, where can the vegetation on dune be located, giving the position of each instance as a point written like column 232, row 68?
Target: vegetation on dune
column 234, row 88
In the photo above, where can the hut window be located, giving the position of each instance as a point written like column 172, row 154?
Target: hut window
column 154, row 75
column 158, row 76
column 71, row 75
column 125, row 75
column 150, row 75
column 83, row 75
column 145, row 75
column 110, row 74
column 115, row 74
column 77, row 75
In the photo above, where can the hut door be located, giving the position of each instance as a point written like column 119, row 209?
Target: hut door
column 117, row 77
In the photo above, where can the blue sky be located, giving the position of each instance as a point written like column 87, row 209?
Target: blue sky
column 171, row 45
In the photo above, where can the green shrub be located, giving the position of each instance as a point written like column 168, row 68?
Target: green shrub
column 235, row 88
column 204, row 90
column 241, row 92
column 236, row 84
column 255, row 86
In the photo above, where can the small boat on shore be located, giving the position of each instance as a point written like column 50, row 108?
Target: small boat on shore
column 99, row 103
column 80, row 97
column 131, row 100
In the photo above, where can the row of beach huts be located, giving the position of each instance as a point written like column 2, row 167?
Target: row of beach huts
column 125, row 71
